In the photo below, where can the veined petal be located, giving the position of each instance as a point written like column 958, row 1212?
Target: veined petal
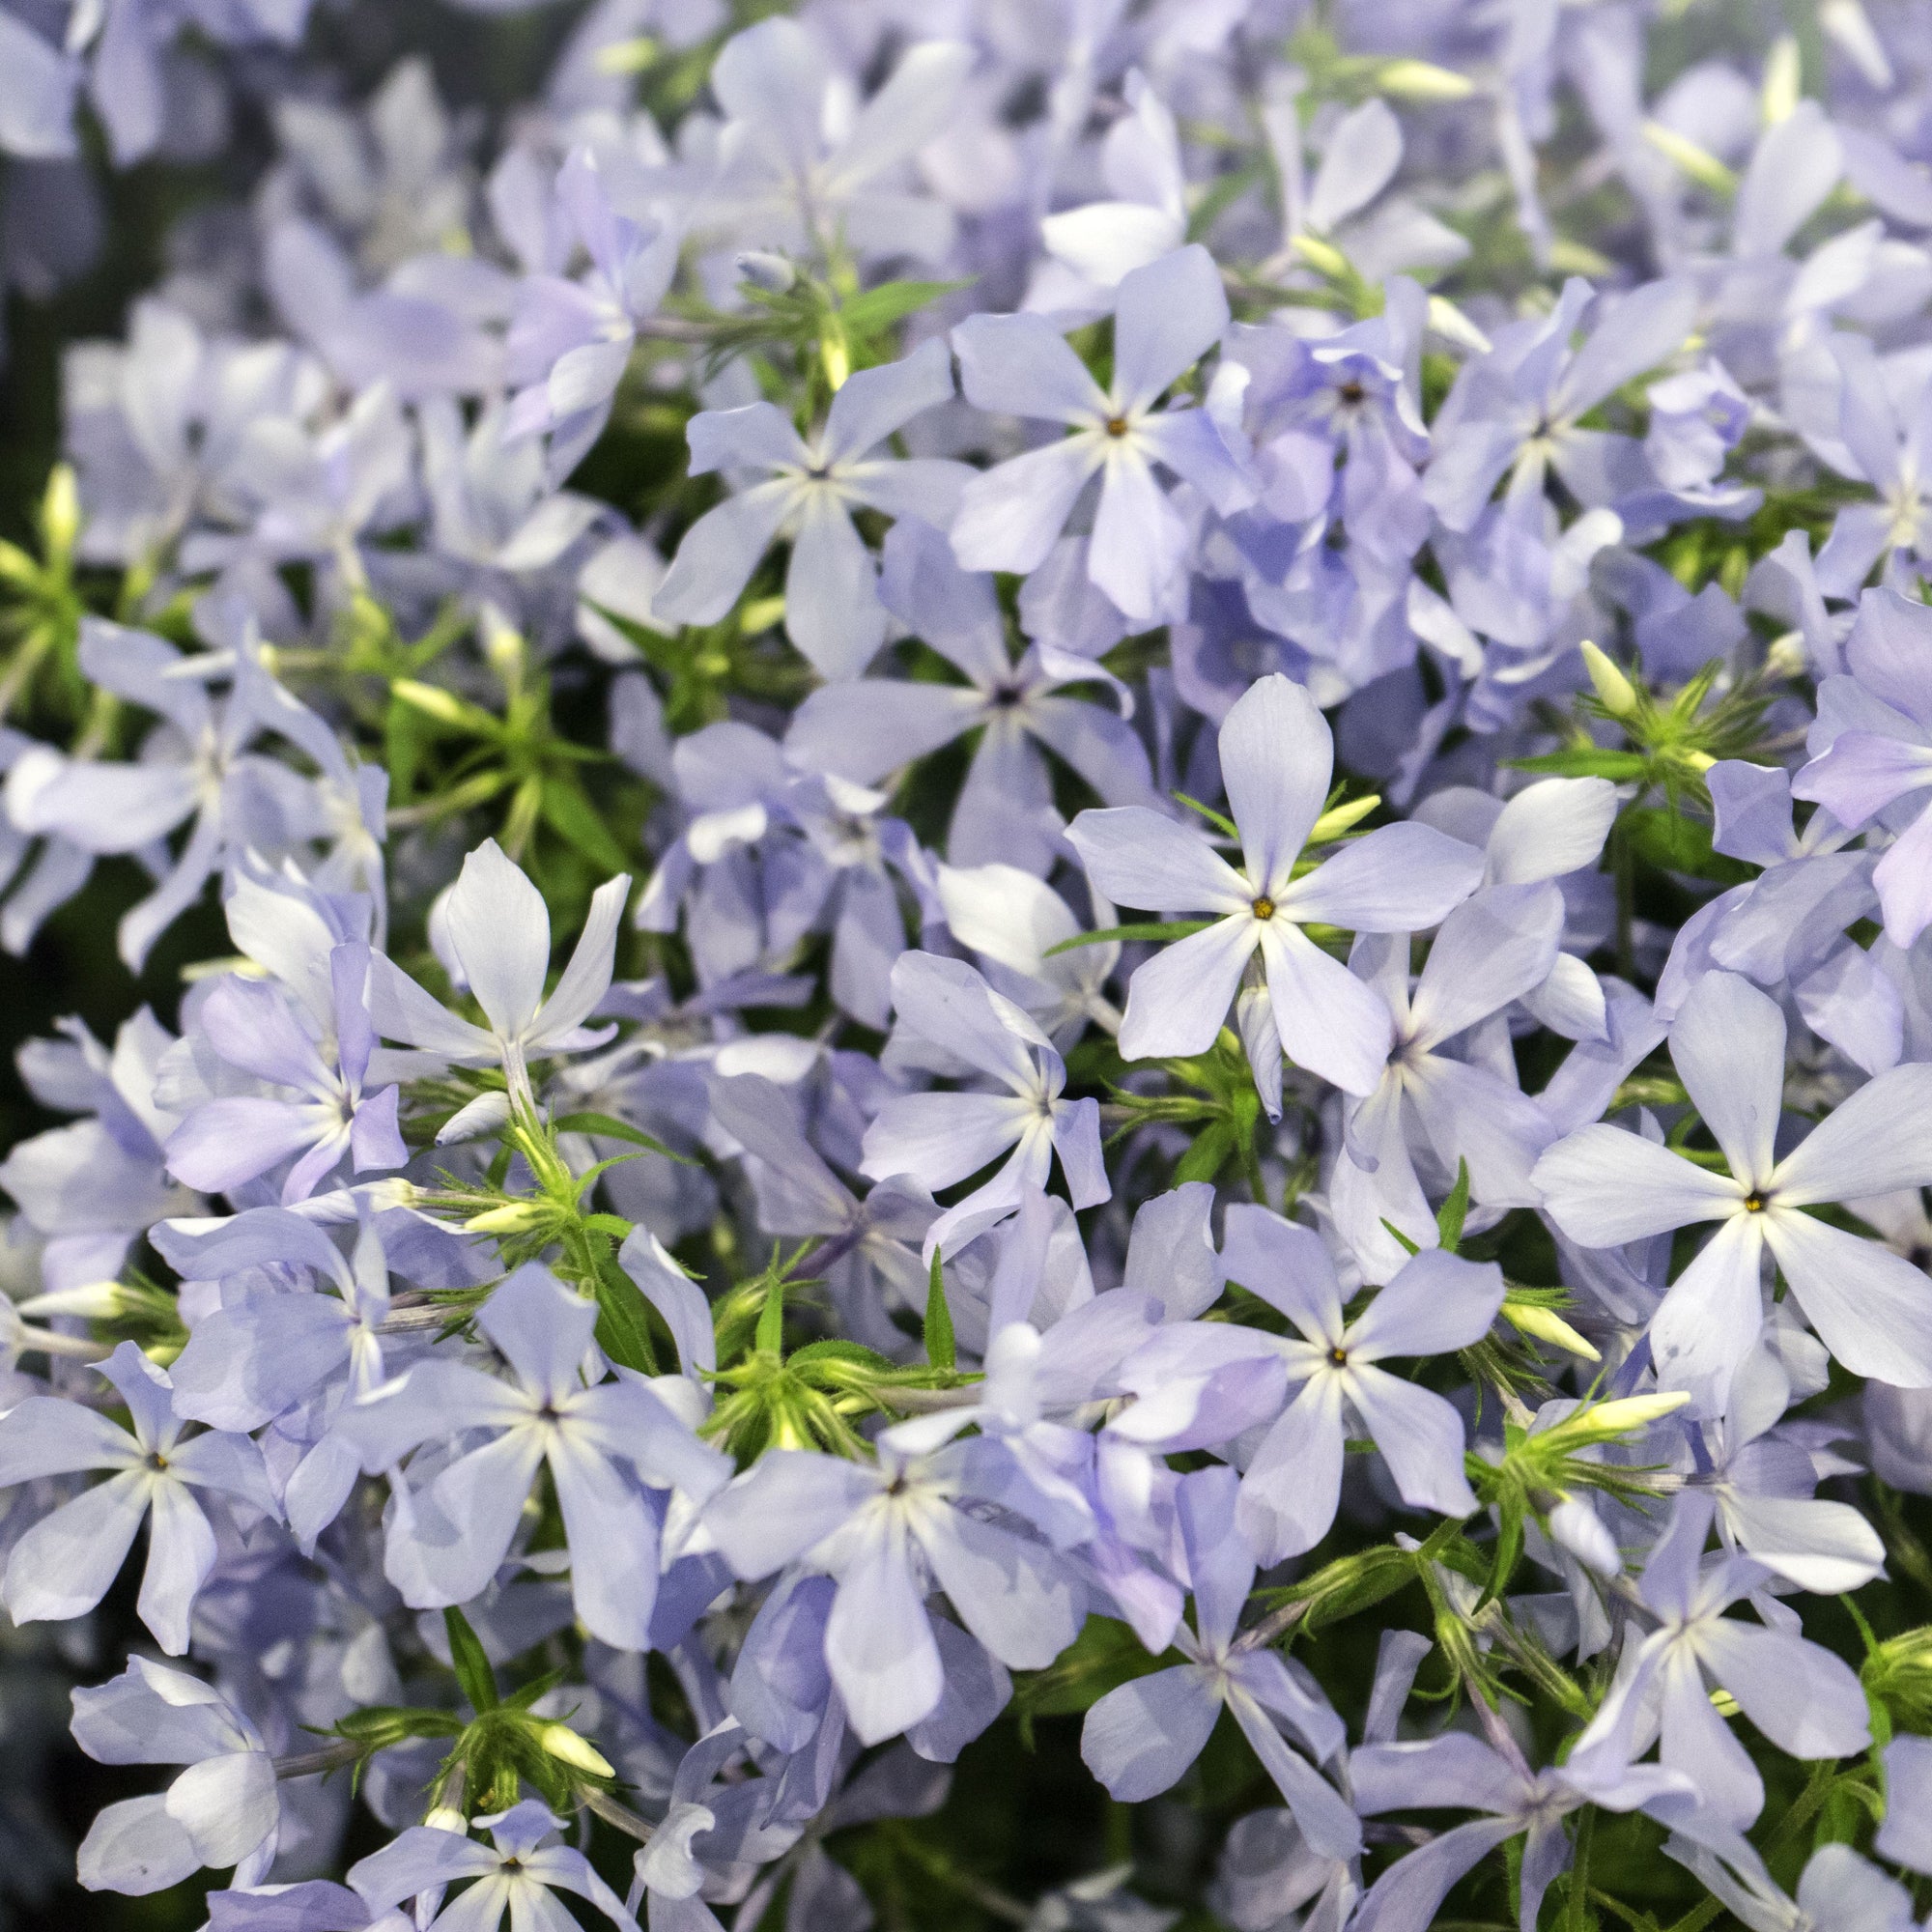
column 63, row 1566
column 1603, row 1186
column 1178, row 1001
column 1139, row 858
column 1010, row 517
column 1727, row 1044
column 1328, row 1021
column 1420, row 1436
column 1870, row 1307
column 1710, row 1319
column 499, row 928
column 1876, row 1140
column 879, row 1642
column 1277, row 757
column 1140, row 1738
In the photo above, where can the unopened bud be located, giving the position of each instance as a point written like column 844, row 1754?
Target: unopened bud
column 1783, row 79
column 60, row 510
column 626, row 57
column 1422, row 80
column 1547, row 1325
column 446, row 1818
column 766, row 269
column 565, row 1745
column 836, row 355
column 1323, row 257
column 1343, row 818
column 1624, row 1415
column 1616, row 692
column 514, row 1217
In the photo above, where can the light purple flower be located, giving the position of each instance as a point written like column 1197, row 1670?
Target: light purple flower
column 1805, row 1701
column 1166, row 317
column 807, row 491
column 1603, row 1186
column 1276, row 759
column 571, row 340
column 499, row 930
column 1872, row 750
column 867, row 728
column 222, row 1811
column 517, row 1872
column 603, row 1442
column 1437, row 1303
column 889, row 1532
column 1139, row 1739
column 940, row 1138
column 62, row 1567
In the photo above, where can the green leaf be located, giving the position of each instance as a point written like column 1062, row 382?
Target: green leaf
column 1210, row 1153
column 1412, row 1247
column 607, row 1126
column 1592, row 763
column 1221, row 823
column 1508, row 1548
column 771, row 1318
column 834, row 1350
column 941, row 1350
column 623, row 1325
column 1104, row 1656
column 1161, row 928
column 892, row 301
column 1455, row 1210
column 1675, row 843
column 468, row 1660
column 571, row 815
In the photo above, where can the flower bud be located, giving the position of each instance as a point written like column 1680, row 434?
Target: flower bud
column 1422, row 80
column 1547, row 1325
column 1615, row 691
column 565, row 1745
column 60, row 510
column 513, row 1217
column 766, row 270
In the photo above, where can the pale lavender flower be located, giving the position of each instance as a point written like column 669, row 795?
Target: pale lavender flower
column 222, row 1811
column 602, row 1440
column 196, row 767
column 807, row 491
column 868, row 728
column 1276, row 758
column 1516, row 411
column 1603, row 1186
column 63, row 1566
column 1872, row 750
column 333, row 1108
column 518, row 1872
column 1464, row 1773
column 499, row 929
column 571, row 340
column 1139, row 1739
column 1492, row 950
column 939, row 1139
column 802, row 169
column 1437, row 1303
column 1805, row 1701
column 1166, row 317
column 888, row 1532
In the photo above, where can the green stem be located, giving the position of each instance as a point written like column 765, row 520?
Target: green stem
column 1577, row 1915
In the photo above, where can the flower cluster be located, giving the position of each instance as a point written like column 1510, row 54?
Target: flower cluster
column 1000, row 879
